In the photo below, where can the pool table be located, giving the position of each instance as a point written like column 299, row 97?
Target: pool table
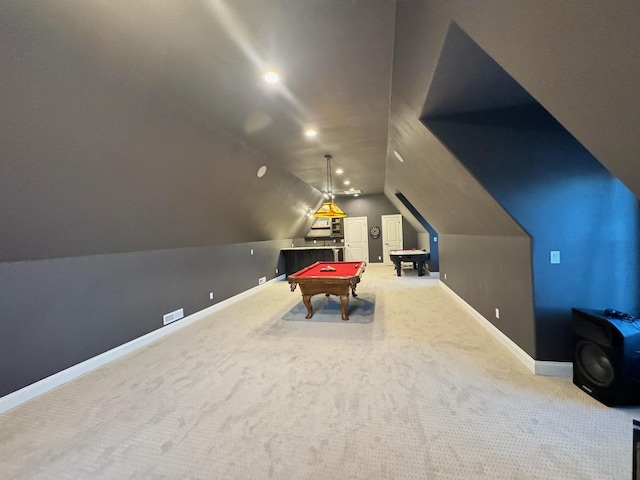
column 330, row 278
column 419, row 258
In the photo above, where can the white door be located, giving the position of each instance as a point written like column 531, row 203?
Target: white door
column 356, row 240
column 391, row 236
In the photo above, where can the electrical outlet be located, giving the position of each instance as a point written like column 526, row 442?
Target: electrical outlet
column 554, row 256
column 262, row 280
column 379, row 257
column 497, row 313
column 210, row 295
column 252, row 251
column 445, row 276
column 276, row 271
column 173, row 316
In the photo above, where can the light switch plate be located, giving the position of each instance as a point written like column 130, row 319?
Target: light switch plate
column 554, row 256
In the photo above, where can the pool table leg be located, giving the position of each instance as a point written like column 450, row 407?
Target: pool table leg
column 344, row 301
column 306, row 299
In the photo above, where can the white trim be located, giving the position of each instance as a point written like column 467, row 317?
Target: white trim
column 45, row 385
column 554, row 369
column 538, row 367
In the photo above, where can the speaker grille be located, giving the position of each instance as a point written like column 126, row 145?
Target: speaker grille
column 594, row 364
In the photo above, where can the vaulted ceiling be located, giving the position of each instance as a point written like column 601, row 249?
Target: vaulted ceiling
column 334, row 57
column 345, row 66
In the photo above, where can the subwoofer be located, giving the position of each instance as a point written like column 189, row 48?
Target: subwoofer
column 606, row 361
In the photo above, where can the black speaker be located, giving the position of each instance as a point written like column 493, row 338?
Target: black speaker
column 606, row 358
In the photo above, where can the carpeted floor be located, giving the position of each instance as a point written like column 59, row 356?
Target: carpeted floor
column 360, row 309
column 421, row 392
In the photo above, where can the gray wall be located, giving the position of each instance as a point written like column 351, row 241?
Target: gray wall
column 119, row 203
column 480, row 269
column 373, row 207
column 59, row 312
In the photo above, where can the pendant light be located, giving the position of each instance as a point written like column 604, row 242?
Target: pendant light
column 329, row 209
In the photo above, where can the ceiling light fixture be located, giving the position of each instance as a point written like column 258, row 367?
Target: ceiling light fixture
column 339, row 171
column 398, row 156
column 311, row 133
column 329, row 209
column 271, row 77
column 347, row 182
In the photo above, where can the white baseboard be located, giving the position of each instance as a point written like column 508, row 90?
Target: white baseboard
column 45, row 385
column 554, row 369
column 539, row 367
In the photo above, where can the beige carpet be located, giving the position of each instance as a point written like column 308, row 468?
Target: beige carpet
column 422, row 392
column 360, row 309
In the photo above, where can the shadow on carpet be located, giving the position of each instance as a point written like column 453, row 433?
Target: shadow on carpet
column 327, row 309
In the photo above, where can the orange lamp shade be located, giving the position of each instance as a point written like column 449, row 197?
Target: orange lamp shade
column 330, row 210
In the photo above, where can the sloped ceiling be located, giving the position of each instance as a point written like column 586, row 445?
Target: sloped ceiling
column 334, row 57
column 453, row 57
column 137, row 125
column 580, row 64
column 429, row 175
column 466, row 79
column 361, row 71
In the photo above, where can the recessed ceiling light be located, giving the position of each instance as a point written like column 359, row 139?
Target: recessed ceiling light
column 261, row 171
column 339, row 171
column 398, row 156
column 271, row 77
column 347, row 182
column 311, row 133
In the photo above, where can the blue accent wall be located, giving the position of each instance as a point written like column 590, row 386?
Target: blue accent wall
column 566, row 201
column 434, row 262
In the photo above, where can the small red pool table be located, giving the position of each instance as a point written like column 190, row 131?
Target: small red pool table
column 330, row 278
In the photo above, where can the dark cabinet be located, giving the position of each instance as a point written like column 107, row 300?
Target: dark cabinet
column 336, row 228
column 297, row 259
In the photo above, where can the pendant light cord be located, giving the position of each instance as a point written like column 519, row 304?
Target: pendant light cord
column 329, row 177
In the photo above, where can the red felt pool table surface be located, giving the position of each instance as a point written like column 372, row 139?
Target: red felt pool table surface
column 342, row 269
